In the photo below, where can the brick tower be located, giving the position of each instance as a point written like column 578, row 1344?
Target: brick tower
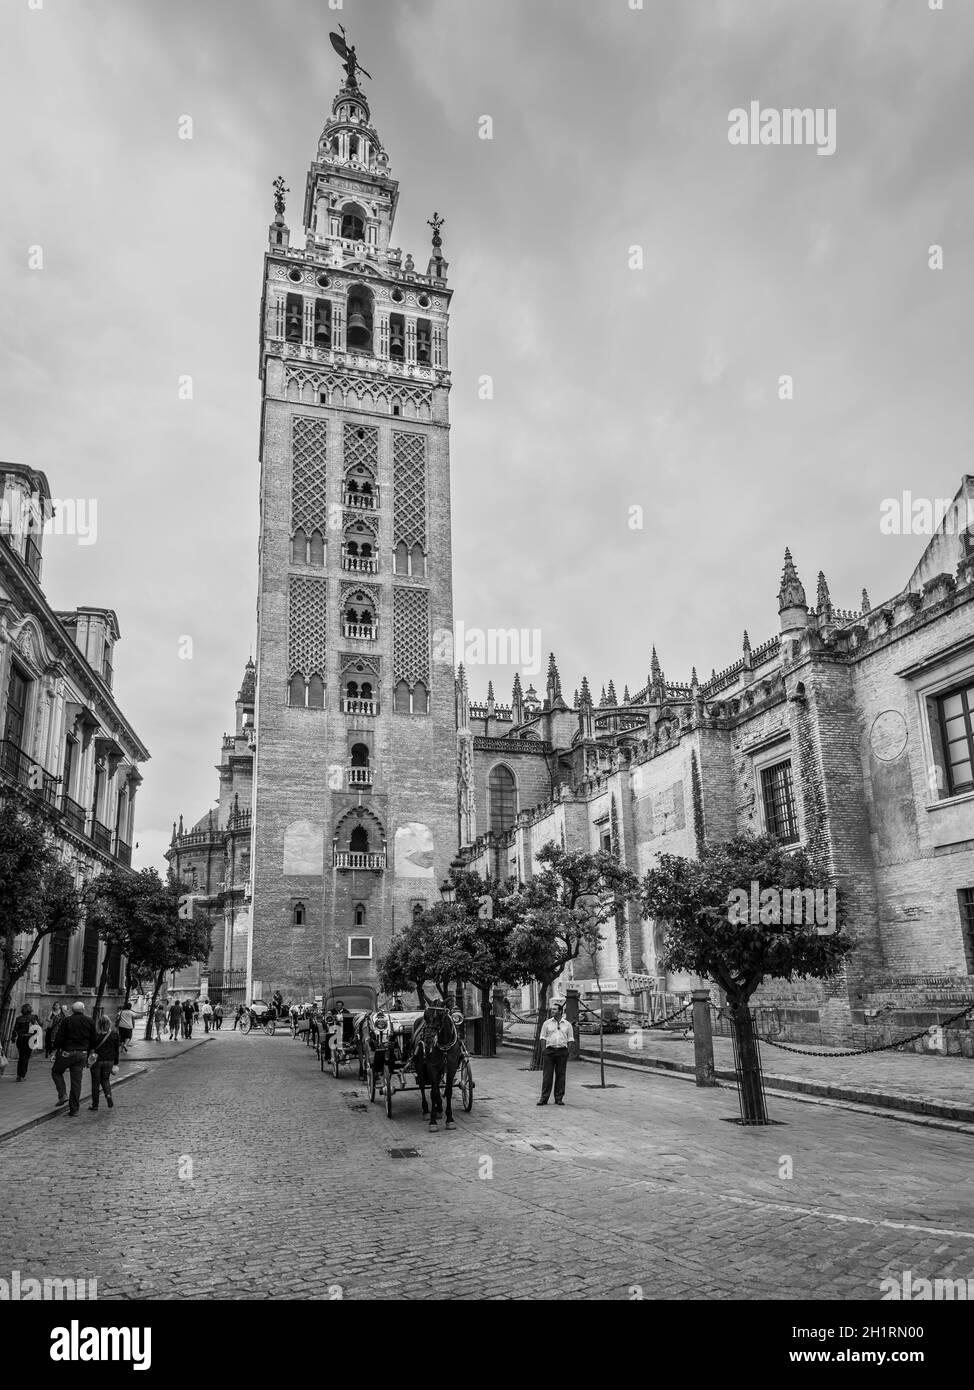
column 355, row 802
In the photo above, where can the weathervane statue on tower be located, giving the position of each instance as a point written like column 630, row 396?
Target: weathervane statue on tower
column 346, row 52
column 436, row 222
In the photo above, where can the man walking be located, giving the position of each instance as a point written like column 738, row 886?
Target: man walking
column 556, row 1038
column 207, row 1012
column 175, row 1020
column 188, row 1018
column 218, row 1016
column 75, row 1039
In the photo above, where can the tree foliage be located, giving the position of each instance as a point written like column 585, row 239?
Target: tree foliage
column 38, row 896
column 691, row 897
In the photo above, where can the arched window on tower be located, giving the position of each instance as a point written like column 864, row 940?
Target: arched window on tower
column 299, row 914
column 358, row 841
column 360, row 914
column 316, row 693
column 351, row 690
column 420, row 699
column 322, row 323
column 402, row 558
column 293, row 316
column 316, row 549
column 296, row 691
column 397, row 337
column 358, row 334
column 503, row 799
column 353, row 220
column 299, row 548
column 417, row 558
column 360, row 755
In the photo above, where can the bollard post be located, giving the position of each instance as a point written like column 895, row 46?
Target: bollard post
column 571, row 1015
column 703, row 1039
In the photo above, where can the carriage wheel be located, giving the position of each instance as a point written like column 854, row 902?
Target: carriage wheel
column 388, row 1076
column 370, row 1078
column 269, row 1026
column 245, row 1024
column 466, row 1086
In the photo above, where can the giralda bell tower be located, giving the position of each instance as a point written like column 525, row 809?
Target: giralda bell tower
column 355, row 819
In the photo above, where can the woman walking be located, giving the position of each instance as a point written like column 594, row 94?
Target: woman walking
column 23, row 1028
column 51, row 1027
column 160, row 1019
column 105, row 1065
column 126, row 1025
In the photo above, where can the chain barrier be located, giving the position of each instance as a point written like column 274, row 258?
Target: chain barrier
column 855, row 1051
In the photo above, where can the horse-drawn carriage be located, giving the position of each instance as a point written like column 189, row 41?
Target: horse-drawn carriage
column 426, row 1046
column 339, row 1027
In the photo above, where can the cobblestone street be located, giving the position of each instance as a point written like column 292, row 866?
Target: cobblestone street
column 239, row 1170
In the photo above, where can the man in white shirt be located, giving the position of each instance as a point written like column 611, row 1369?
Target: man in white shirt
column 556, row 1038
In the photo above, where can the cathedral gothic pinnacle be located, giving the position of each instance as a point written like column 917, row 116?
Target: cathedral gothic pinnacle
column 791, row 594
column 823, row 599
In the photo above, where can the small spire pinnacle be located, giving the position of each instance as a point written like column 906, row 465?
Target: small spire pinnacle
column 791, row 594
column 612, row 694
column 626, row 697
column 585, row 696
column 865, row 601
column 823, row 599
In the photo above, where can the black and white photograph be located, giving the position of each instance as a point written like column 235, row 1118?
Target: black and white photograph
column 486, row 625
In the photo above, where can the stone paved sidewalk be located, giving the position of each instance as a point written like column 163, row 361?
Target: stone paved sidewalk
column 32, row 1101
column 925, row 1085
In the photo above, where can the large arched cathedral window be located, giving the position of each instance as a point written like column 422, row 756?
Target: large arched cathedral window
column 503, row 800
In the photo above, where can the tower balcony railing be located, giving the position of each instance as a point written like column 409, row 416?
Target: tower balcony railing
column 123, row 852
column 350, row 706
column 363, row 501
column 359, row 776
column 350, row 859
column 360, row 564
column 362, row 632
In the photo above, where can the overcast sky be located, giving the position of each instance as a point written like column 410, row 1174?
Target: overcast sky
column 614, row 387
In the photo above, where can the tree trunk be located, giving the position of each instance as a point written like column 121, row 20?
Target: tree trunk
column 152, row 1007
column 488, row 1034
column 753, row 1109
column 102, row 980
column 536, row 1058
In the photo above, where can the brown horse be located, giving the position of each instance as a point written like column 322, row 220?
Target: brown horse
column 436, row 1055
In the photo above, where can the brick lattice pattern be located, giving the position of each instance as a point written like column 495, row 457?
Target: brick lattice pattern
column 309, row 448
column 411, row 636
column 306, row 626
column 409, row 467
column 364, row 450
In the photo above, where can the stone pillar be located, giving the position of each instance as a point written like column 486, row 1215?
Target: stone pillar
column 571, row 1014
column 703, row 1039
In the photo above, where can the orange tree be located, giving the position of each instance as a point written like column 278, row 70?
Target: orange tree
column 704, row 906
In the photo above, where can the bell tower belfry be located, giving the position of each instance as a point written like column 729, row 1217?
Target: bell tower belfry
column 355, row 819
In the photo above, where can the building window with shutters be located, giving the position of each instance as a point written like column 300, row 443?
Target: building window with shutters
column 57, row 958
column 955, row 712
column 89, row 959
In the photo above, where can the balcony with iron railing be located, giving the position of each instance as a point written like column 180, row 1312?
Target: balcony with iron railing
column 123, row 852
column 19, row 768
column 350, row 706
column 349, row 859
column 359, row 776
column 360, row 564
column 75, row 815
column 101, row 836
column 363, row 501
column 362, row 632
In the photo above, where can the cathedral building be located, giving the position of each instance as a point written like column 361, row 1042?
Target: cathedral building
column 355, row 769
column 850, row 732
column 212, row 861
column 64, row 736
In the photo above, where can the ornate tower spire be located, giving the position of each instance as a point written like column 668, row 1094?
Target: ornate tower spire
column 279, row 235
column 790, row 594
column 792, row 604
column 823, row 599
column 626, row 697
column 517, row 700
column 865, row 602
column 612, row 694
column 747, row 651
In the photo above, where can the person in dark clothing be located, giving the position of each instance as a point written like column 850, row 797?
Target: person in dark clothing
column 75, row 1039
column 188, row 1016
column 218, row 1016
column 175, row 1020
column 106, row 1050
column 21, row 1036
